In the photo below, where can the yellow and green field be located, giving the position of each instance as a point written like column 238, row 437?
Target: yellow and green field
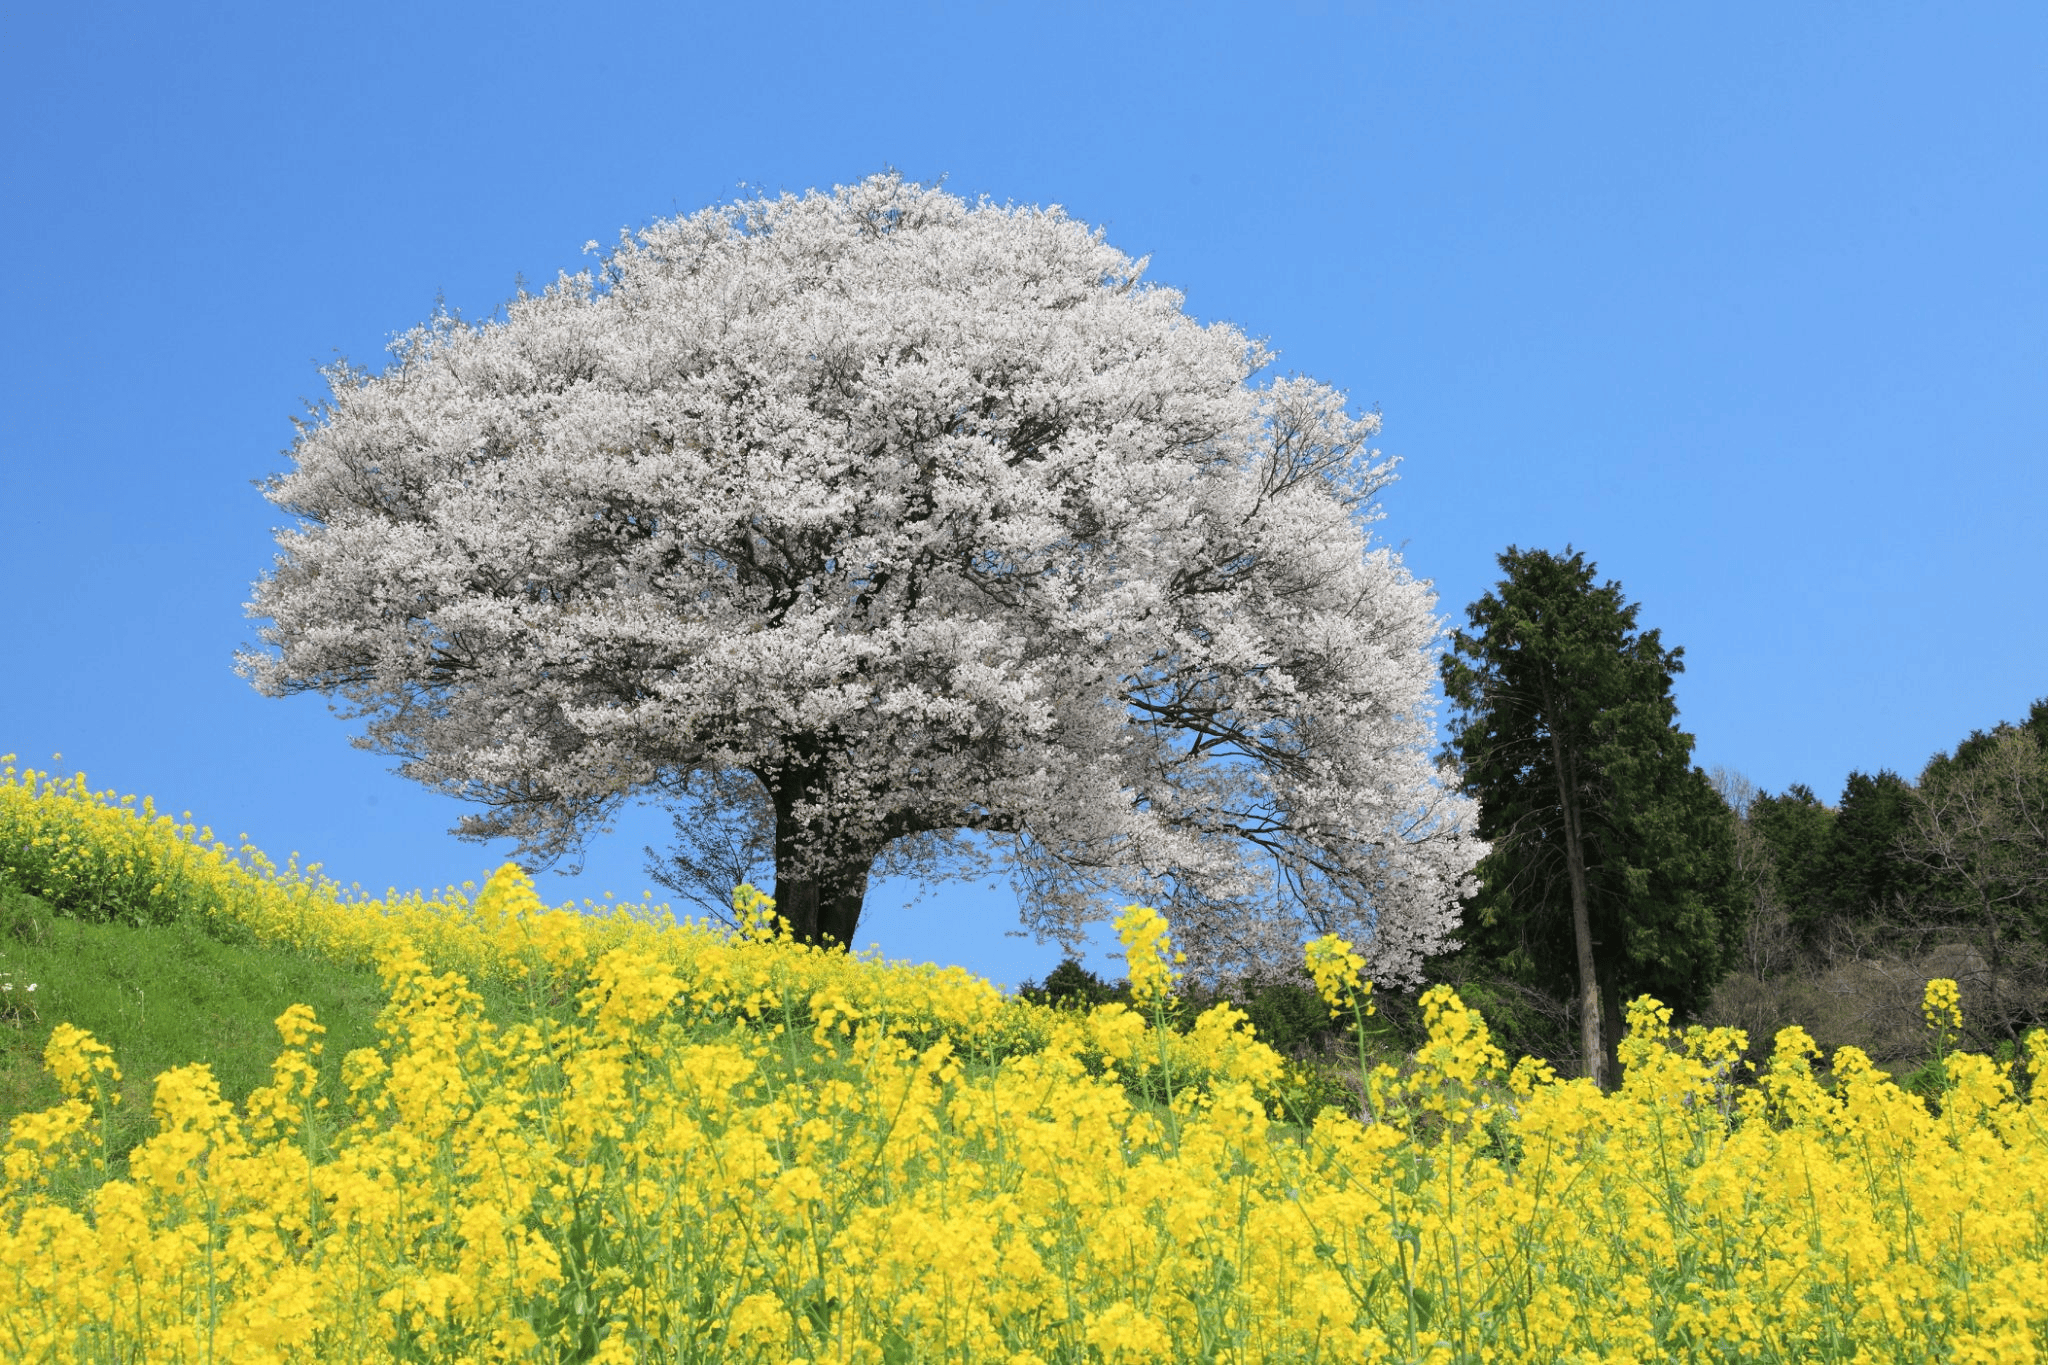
column 614, row 1137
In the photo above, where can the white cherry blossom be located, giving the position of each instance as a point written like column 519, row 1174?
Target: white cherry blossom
column 911, row 526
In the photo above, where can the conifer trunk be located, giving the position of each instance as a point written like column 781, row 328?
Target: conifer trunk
column 1590, row 1015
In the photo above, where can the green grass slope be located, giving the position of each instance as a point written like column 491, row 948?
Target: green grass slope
column 161, row 996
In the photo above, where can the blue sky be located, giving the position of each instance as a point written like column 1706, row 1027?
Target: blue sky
column 1747, row 301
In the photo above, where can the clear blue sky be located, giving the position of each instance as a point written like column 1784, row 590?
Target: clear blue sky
column 1747, row 301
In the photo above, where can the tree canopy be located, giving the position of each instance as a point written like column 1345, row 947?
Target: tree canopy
column 1866, row 877
column 1800, row 832
column 1611, row 869
column 1841, row 864
column 883, row 519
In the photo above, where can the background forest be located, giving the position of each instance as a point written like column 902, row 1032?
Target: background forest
column 1848, row 908
column 1853, row 905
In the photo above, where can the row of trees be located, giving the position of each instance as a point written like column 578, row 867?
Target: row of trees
column 1617, row 867
column 1846, row 900
column 1817, row 866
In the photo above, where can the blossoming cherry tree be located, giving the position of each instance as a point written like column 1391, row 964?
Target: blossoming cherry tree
column 903, row 527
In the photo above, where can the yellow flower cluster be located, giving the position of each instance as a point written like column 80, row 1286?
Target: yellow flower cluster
column 708, row 1147
column 1148, row 952
column 1942, row 1005
column 1339, row 973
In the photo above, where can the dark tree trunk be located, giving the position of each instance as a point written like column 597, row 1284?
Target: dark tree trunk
column 822, row 905
column 1591, row 1016
column 821, row 877
column 1610, row 1005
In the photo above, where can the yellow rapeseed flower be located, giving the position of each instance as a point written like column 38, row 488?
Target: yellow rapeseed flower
column 1942, row 1004
column 1339, row 973
column 695, row 1143
column 1149, row 954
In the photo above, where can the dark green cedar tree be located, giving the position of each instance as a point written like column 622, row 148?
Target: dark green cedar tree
column 1799, row 831
column 1612, row 868
column 1866, row 875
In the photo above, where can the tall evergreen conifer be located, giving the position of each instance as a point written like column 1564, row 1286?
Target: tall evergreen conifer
column 1866, row 874
column 1799, row 830
column 1611, row 872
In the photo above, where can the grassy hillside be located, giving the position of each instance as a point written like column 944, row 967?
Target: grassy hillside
column 161, row 996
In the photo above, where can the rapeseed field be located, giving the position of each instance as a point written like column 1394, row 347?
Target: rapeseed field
column 698, row 1144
